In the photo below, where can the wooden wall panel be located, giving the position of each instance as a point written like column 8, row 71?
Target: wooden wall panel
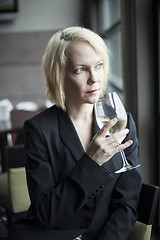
column 21, row 76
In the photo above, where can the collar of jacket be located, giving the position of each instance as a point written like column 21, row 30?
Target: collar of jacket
column 69, row 135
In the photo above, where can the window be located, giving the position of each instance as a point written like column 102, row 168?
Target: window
column 115, row 21
column 110, row 28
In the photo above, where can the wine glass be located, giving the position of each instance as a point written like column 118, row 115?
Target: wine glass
column 106, row 108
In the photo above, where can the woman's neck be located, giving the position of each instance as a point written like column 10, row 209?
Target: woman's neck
column 81, row 113
column 82, row 119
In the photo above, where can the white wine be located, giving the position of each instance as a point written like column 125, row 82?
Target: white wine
column 120, row 125
column 102, row 121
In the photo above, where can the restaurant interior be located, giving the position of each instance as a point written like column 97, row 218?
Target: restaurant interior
column 131, row 29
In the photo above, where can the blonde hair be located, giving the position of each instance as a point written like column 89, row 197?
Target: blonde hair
column 54, row 60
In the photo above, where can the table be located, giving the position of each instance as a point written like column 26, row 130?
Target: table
column 14, row 126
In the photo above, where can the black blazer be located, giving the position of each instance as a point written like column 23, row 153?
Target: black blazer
column 69, row 192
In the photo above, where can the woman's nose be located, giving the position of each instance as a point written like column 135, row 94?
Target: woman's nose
column 92, row 77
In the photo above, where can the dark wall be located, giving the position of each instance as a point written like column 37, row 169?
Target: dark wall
column 21, row 76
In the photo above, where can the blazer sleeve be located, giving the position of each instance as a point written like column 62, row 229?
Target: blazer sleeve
column 125, row 195
column 65, row 204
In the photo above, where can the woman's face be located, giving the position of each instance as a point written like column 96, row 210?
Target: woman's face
column 84, row 74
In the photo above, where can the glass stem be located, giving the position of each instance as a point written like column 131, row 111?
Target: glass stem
column 125, row 162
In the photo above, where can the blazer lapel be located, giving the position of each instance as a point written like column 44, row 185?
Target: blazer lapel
column 69, row 135
column 95, row 125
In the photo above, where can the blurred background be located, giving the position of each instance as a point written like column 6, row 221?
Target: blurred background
column 132, row 31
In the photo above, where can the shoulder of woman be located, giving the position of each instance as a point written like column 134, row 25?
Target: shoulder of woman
column 46, row 117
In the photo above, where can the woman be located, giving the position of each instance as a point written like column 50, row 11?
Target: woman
column 71, row 164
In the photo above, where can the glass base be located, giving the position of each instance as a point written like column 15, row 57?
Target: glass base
column 127, row 168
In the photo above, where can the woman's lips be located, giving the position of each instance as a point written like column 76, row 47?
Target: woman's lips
column 93, row 91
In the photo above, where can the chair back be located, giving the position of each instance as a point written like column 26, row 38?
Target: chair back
column 148, row 200
column 16, row 156
column 18, row 190
column 14, row 194
column 148, row 203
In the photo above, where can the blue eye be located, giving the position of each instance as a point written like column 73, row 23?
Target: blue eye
column 79, row 70
column 99, row 65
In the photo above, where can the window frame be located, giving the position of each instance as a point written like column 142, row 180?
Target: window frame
column 127, row 26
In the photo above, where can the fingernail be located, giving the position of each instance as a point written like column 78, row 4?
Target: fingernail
column 126, row 130
column 114, row 120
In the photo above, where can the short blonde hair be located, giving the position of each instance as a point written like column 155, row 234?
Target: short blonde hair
column 54, row 60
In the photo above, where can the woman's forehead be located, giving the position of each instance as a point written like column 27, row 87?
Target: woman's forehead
column 81, row 52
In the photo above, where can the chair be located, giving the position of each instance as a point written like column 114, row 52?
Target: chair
column 146, row 213
column 14, row 195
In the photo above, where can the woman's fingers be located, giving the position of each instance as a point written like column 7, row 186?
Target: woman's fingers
column 104, row 131
column 119, row 136
column 123, row 146
column 116, row 140
column 102, row 148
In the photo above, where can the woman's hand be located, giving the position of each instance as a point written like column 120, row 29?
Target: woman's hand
column 101, row 149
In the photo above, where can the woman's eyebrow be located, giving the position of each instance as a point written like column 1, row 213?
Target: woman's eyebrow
column 84, row 65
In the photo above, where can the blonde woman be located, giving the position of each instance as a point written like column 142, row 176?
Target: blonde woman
column 71, row 164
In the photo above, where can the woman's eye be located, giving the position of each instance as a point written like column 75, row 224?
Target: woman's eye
column 79, row 70
column 99, row 65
